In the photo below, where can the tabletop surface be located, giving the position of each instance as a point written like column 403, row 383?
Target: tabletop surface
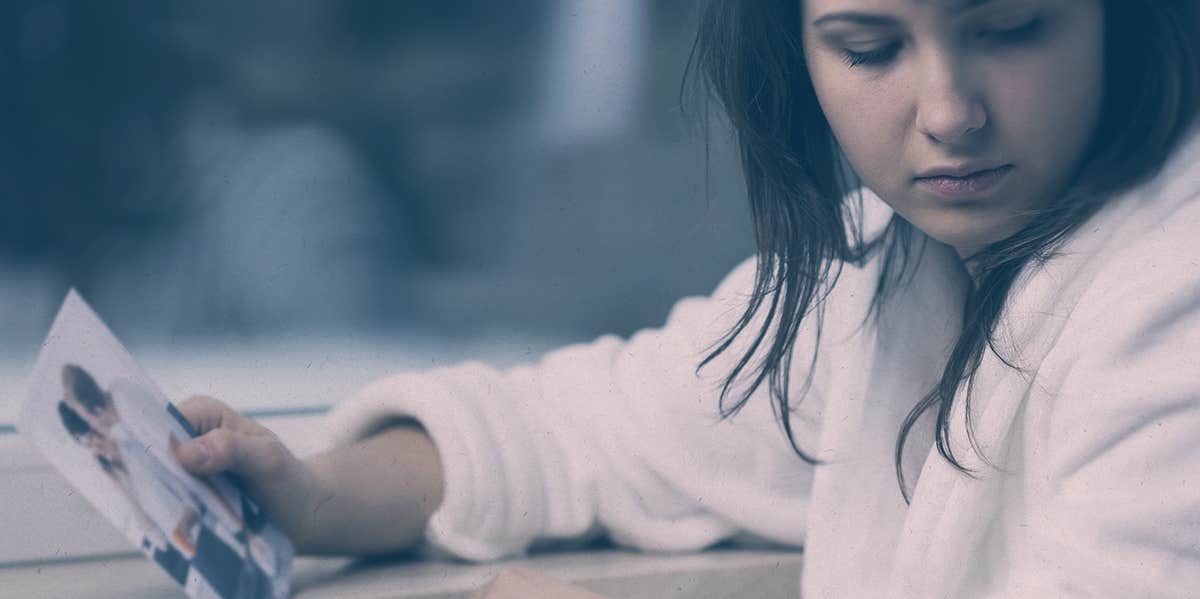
column 763, row 574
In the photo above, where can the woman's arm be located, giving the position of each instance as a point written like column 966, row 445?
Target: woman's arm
column 619, row 436
column 615, row 436
column 371, row 497
column 374, row 496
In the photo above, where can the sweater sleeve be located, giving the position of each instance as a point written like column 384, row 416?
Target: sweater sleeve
column 617, row 435
column 1115, row 497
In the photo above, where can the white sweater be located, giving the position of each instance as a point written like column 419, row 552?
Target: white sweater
column 1097, row 441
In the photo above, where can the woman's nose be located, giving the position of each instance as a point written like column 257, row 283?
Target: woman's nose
column 949, row 107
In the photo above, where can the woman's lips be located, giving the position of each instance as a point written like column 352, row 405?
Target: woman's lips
column 971, row 185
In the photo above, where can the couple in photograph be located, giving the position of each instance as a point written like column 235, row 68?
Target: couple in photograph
column 186, row 524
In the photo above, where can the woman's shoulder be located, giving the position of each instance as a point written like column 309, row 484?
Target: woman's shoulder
column 1152, row 286
column 1156, row 239
column 1148, row 264
column 1179, row 176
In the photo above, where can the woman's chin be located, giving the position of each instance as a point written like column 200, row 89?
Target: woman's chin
column 968, row 233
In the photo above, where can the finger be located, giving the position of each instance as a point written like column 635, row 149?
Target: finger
column 205, row 413
column 255, row 457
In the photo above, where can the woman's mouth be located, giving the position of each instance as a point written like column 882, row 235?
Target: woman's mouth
column 974, row 184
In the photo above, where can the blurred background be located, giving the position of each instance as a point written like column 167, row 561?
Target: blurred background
column 231, row 174
column 276, row 201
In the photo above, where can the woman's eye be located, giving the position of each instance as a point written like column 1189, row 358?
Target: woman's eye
column 877, row 56
column 1018, row 34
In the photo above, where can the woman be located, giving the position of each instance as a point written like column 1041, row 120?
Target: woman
column 975, row 299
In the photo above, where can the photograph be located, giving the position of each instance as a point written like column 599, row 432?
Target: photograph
column 101, row 421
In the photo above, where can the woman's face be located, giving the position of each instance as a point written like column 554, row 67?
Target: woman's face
column 1009, row 90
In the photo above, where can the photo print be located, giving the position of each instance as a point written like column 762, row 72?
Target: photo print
column 100, row 420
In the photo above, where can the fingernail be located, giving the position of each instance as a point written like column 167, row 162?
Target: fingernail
column 196, row 453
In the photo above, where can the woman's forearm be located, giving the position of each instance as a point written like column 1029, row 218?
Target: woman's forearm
column 372, row 497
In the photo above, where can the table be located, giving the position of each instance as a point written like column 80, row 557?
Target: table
column 762, row 574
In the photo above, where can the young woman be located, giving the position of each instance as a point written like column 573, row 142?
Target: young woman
column 963, row 362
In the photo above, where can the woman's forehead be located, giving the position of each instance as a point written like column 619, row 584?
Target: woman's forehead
column 946, row 6
column 943, row 4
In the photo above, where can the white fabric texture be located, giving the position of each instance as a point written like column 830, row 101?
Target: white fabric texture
column 1094, row 484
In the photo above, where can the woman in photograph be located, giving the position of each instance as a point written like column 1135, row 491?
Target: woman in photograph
column 962, row 363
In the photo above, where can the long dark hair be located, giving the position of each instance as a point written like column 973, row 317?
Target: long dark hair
column 84, row 388
column 803, row 202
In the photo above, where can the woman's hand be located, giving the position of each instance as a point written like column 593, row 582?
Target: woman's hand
column 230, row 442
column 372, row 497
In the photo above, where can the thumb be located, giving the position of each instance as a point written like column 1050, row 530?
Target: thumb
column 205, row 413
column 256, row 457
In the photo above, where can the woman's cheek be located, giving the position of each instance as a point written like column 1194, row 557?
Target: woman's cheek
column 868, row 112
column 872, row 135
column 1047, row 107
